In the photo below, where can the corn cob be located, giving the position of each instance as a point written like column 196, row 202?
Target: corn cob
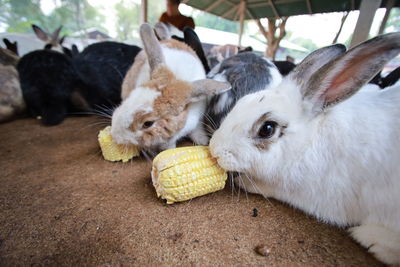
column 184, row 173
column 113, row 151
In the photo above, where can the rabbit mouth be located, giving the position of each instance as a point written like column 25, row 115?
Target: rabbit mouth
column 228, row 164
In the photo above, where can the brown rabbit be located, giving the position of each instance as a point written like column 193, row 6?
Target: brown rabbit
column 11, row 99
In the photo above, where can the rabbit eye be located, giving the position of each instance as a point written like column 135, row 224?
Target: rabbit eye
column 268, row 129
column 147, row 124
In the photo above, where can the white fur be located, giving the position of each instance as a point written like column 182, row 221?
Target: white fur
column 276, row 76
column 223, row 102
column 123, row 115
column 184, row 66
column 342, row 166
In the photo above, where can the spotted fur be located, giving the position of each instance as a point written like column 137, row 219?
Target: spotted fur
column 247, row 73
column 162, row 89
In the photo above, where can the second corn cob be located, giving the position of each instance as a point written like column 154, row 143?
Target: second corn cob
column 184, row 173
column 112, row 151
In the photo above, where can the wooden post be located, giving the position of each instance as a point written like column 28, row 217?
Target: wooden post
column 344, row 17
column 242, row 10
column 389, row 6
column 143, row 11
column 364, row 22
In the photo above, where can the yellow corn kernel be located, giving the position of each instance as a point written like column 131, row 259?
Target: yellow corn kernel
column 113, row 151
column 183, row 173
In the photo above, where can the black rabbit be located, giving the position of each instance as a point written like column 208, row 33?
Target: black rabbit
column 101, row 68
column 55, row 83
column 47, row 80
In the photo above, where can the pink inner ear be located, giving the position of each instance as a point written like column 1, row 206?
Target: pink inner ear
column 348, row 80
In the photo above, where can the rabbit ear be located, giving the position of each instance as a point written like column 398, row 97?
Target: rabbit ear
column 151, row 46
column 162, row 31
column 41, row 34
column 344, row 76
column 11, row 46
column 207, row 87
column 55, row 34
column 62, row 39
column 313, row 62
column 7, row 42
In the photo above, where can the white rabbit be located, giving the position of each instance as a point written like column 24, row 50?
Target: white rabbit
column 164, row 96
column 319, row 144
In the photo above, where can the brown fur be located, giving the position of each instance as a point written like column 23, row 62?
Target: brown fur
column 175, row 94
column 170, row 108
column 162, row 130
column 130, row 80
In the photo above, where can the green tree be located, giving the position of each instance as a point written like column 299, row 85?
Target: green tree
column 305, row 42
column 155, row 9
column 393, row 23
column 211, row 21
column 19, row 15
column 128, row 19
column 74, row 15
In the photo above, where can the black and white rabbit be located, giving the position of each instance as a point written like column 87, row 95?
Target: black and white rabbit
column 247, row 73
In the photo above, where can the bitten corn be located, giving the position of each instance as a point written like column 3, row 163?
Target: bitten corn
column 113, row 151
column 183, row 173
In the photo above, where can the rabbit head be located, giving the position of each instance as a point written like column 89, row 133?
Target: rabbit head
column 270, row 130
column 52, row 41
column 156, row 111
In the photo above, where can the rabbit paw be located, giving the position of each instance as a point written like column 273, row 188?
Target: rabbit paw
column 382, row 242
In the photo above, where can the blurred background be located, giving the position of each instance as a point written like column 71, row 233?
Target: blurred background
column 88, row 21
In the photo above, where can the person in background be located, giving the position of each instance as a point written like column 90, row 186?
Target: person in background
column 174, row 17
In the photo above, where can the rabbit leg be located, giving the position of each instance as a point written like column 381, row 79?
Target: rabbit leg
column 382, row 242
column 199, row 135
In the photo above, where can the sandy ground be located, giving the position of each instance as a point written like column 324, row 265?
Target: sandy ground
column 61, row 204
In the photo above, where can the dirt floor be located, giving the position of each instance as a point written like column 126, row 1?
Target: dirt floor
column 61, row 204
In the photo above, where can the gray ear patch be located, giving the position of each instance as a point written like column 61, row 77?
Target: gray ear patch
column 342, row 77
column 208, row 87
column 313, row 62
column 151, row 46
